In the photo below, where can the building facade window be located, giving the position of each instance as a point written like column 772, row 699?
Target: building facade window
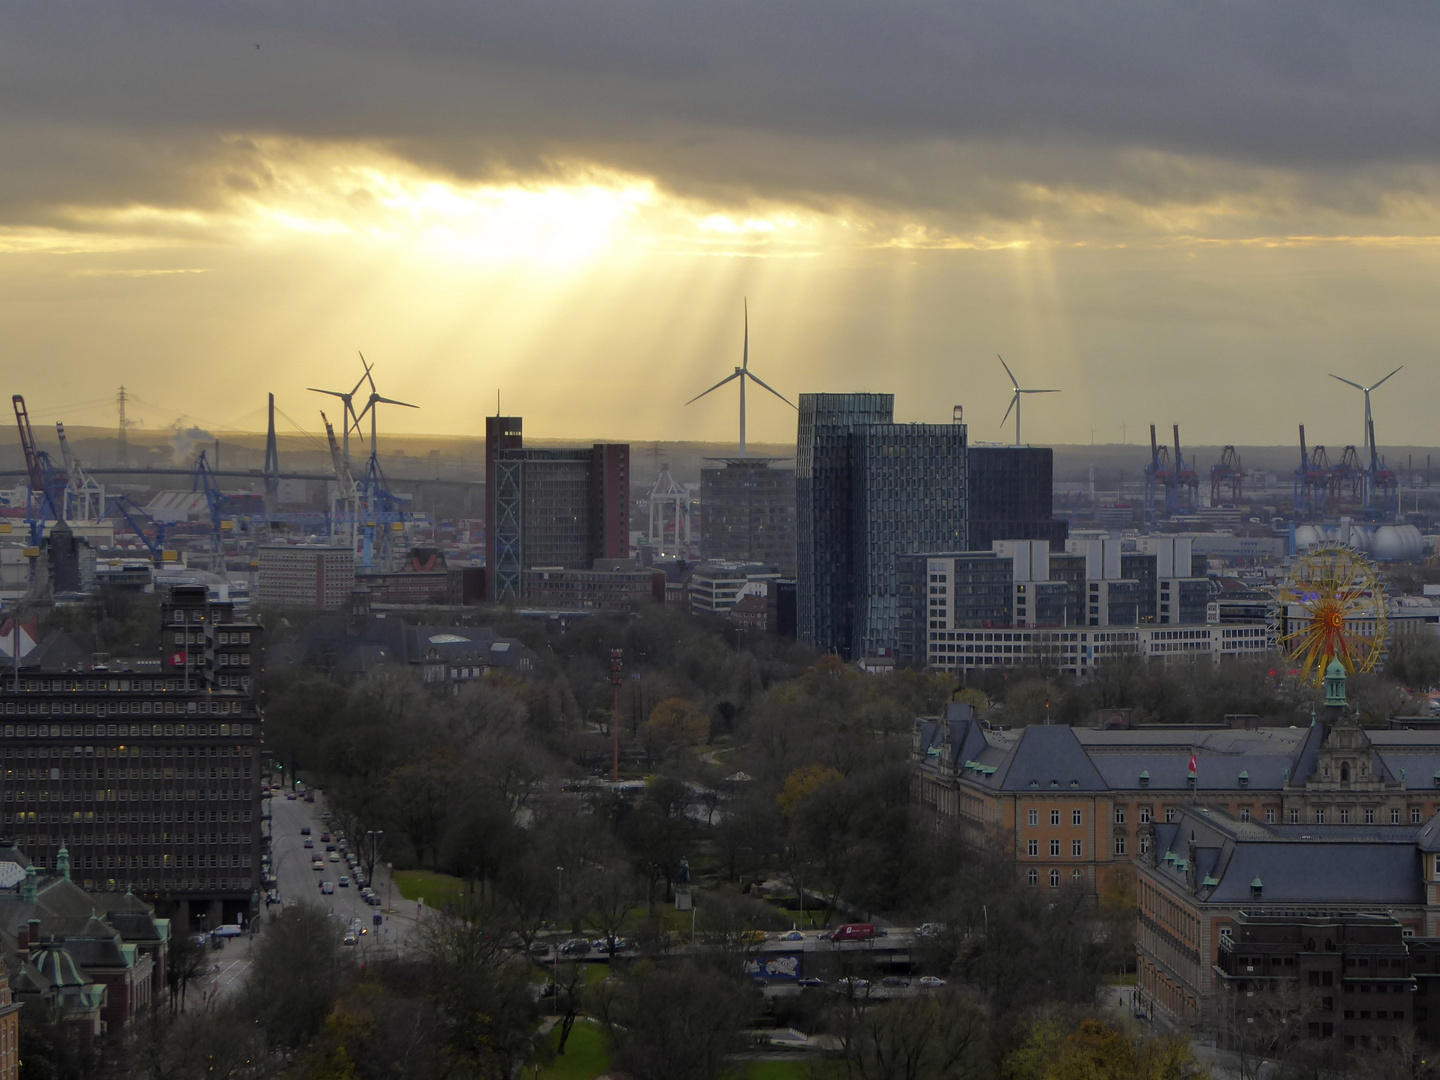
column 1119, row 815
column 1146, row 815
column 1054, row 848
column 1034, row 817
column 1054, row 817
column 1033, row 877
column 1054, row 879
column 1119, row 845
column 1032, row 848
column 1077, row 817
column 1077, row 848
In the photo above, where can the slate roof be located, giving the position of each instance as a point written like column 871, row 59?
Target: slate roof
column 1048, row 756
column 354, row 646
column 62, row 650
column 1297, row 865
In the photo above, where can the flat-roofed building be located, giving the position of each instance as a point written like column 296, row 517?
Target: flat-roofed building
column 748, row 512
column 315, row 576
column 148, row 774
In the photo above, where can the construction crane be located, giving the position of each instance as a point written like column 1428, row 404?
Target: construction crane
column 84, row 497
column 1313, row 479
column 1170, row 481
column 132, row 515
column 345, row 507
column 1382, row 489
column 45, row 500
column 1227, row 477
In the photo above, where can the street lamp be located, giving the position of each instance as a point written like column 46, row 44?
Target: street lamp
column 617, row 676
column 559, row 902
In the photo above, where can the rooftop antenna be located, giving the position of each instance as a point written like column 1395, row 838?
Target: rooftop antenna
column 742, row 373
column 1015, row 397
column 1368, row 434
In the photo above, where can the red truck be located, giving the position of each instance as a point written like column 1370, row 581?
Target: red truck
column 860, row 931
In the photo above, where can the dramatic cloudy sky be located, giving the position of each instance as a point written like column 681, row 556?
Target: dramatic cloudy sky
column 1172, row 212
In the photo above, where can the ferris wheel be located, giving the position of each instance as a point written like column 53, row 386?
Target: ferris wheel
column 1331, row 607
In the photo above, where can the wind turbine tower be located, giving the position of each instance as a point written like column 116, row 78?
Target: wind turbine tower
column 1379, row 483
column 1015, row 397
column 743, row 373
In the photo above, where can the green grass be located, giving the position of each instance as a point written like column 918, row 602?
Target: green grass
column 585, row 1054
column 778, row 1070
column 435, row 889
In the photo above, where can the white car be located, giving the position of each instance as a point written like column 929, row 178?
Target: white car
column 931, row 982
column 228, row 930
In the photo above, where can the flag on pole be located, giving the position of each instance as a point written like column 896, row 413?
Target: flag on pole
column 1192, row 764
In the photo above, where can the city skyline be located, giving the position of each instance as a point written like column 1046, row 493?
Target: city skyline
column 569, row 208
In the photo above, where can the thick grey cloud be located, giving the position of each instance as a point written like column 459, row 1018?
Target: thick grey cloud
column 904, row 103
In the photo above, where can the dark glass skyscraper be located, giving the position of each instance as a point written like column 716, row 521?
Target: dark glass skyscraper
column 868, row 492
column 1011, row 496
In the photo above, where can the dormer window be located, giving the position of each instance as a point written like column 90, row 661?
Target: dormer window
column 1244, row 778
column 1145, row 778
column 1257, row 889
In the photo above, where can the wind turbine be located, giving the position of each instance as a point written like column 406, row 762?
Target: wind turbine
column 1369, row 440
column 374, row 399
column 348, row 399
column 1015, row 397
column 742, row 373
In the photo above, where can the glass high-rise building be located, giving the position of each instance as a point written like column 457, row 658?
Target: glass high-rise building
column 748, row 514
column 868, row 492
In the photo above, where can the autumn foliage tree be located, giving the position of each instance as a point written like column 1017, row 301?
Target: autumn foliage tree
column 680, row 720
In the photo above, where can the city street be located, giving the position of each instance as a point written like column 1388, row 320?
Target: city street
column 300, row 884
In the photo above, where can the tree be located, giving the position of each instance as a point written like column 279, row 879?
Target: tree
column 214, row 1043
column 1415, row 659
column 674, row 1023
column 679, row 720
column 802, row 783
column 295, row 977
column 185, row 962
column 933, row 1037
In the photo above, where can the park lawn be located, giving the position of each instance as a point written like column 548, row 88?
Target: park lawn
column 778, row 1070
column 585, row 1054
column 435, row 889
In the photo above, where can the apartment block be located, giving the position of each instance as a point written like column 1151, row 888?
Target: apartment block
column 315, row 576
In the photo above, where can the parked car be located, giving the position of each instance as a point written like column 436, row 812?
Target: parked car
column 539, row 948
column 893, row 982
column 350, row 938
column 575, row 947
column 291, row 796
column 851, row 985
column 810, row 982
column 790, row 935
column 931, row 982
column 227, row 930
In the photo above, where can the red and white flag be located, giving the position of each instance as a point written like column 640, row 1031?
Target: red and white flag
column 1192, row 764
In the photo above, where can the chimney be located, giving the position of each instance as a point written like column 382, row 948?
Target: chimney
column 32, row 933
